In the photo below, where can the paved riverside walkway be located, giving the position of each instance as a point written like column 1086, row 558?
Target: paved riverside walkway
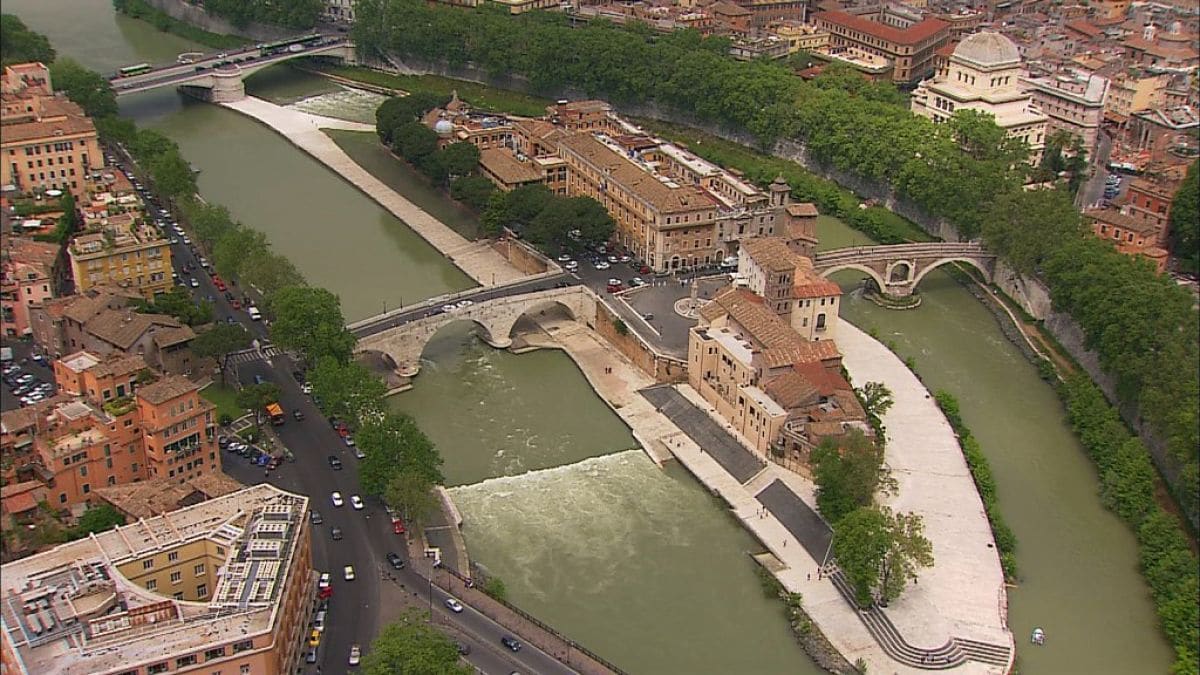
column 951, row 600
column 476, row 258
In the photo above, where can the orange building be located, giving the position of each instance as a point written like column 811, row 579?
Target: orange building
column 1130, row 235
column 26, row 281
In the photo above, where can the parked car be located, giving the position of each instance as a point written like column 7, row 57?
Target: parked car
column 336, row 533
column 395, row 561
column 298, row 414
column 355, row 655
column 315, row 518
column 337, row 499
column 324, row 581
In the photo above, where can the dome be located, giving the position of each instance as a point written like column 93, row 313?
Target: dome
column 988, row 49
column 443, row 126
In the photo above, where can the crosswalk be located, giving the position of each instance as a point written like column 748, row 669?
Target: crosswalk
column 254, row 355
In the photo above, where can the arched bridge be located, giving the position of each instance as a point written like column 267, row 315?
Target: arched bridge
column 219, row 75
column 900, row 267
column 403, row 334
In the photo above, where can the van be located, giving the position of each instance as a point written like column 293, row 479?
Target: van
column 255, row 315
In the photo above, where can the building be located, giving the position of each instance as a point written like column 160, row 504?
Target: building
column 1072, row 102
column 752, row 48
column 984, row 74
column 800, row 36
column 1130, row 235
column 1158, row 130
column 225, row 586
column 46, row 141
column 341, row 11
column 115, row 433
column 150, row 498
column 57, row 325
column 27, row 279
column 1130, row 93
column 1148, row 201
column 126, row 250
column 785, row 280
column 782, row 393
column 909, row 51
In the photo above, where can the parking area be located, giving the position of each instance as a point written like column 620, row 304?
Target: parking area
column 26, row 378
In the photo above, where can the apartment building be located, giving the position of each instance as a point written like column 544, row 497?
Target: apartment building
column 782, row 393
column 124, row 251
column 27, row 280
column 222, row 586
column 1130, row 235
column 1148, row 201
column 179, row 429
column 1072, row 102
column 46, row 141
column 909, row 51
column 985, row 74
column 1130, row 93
column 784, row 278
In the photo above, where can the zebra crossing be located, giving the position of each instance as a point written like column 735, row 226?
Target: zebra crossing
column 248, row 355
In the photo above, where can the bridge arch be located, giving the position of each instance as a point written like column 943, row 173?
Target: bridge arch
column 875, row 276
column 973, row 262
column 532, row 310
column 900, row 271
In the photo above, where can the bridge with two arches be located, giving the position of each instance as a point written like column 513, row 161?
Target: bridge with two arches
column 899, row 268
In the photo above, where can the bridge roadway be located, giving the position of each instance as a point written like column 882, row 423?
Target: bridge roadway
column 202, row 68
column 866, row 254
column 399, row 317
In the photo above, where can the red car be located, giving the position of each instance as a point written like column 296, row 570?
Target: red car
column 219, row 284
column 325, row 593
column 397, row 525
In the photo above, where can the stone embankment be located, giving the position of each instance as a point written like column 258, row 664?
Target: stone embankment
column 476, row 258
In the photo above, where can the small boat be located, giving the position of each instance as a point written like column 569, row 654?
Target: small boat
column 1038, row 637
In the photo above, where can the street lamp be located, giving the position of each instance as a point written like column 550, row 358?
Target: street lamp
column 430, row 597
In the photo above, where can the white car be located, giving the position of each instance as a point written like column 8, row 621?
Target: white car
column 187, row 241
column 306, row 388
column 355, row 654
column 324, row 582
column 337, row 499
column 193, row 283
column 571, row 266
column 454, row 605
column 463, row 304
column 356, row 502
column 348, row 572
column 601, row 265
column 449, row 308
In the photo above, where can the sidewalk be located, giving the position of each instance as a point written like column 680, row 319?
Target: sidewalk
column 477, row 258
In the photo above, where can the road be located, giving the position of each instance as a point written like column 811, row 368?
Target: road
column 1092, row 191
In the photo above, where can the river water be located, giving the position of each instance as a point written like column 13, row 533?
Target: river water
column 638, row 563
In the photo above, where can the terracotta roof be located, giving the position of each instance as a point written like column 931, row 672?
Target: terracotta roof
column 726, row 8
column 792, row 390
column 166, row 388
column 173, row 336
column 150, row 498
column 504, row 166
column 803, row 210
column 1082, row 26
column 638, row 181
column 58, row 119
column 812, row 285
column 28, row 251
column 119, row 365
column 537, row 128
column 589, row 105
column 770, row 253
column 123, row 327
column 821, row 351
column 1118, row 219
column 19, row 498
column 12, row 421
column 909, row 36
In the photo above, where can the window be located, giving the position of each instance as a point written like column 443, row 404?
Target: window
column 245, row 670
column 178, row 595
column 173, row 556
column 198, row 570
column 215, row 653
column 158, row 668
column 202, row 590
column 244, row 645
column 148, row 564
column 152, row 585
column 188, row 660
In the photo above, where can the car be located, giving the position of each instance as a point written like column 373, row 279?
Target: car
column 357, row 502
column 298, row 376
column 455, row 606
column 319, row 619
column 314, row 638
column 324, row 582
column 335, row 463
column 228, row 296
column 174, row 241
column 186, row 240
column 349, row 440
column 637, row 281
column 463, row 648
column 625, row 259
column 311, row 655
column 397, row 525
column 298, row 415
column 193, row 283
column 220, row 285
column 306, row 388
column 348, row 572
column 564, row 258
column 359, row 454
column 259, row 379
column 571, row 266
column 463, row 304
column 511, row 642
column 614, row 259
column 644, row 269
column 337, row 499
column 395, row 561
column 235, row 304
column 230, row 320
column 449, row 308
column 601, row 265
column 355, row 655
column 336, row 533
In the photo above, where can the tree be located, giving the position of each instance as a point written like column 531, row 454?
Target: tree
column 179, row 304
column 18, row 44
column 256, row 397
column 410, row 646
column 880, row 552
column 220, row 341
column 172, row 174
column 68, row 221
column 236, row 245
column 347, row 390
column 877, row 400
column 412, row 494
column 394, row 445
column 400, row 110
column 1184, row 228
column 310, row 320
column 85, row 87
column 474, row 191
column 847, row 471
column 97, row 519
column 459, row 159
column 414, row 141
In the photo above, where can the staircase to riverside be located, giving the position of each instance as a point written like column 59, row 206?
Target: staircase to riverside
column 954, row 653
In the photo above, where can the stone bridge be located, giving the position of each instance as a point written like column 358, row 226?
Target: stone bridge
column 219, row 76
column 897, row 269
column 496, row 316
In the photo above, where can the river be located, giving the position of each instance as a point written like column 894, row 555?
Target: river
column 638, row 563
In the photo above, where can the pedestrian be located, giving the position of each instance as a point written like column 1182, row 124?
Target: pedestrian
column 785, row 543
column 808, row 577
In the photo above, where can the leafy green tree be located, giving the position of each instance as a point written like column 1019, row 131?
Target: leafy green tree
column 292, row 14
column 877, row 400
column 68, row 221
column 237, row 245
column 19, row 44
column 97, row 519
column 148, row 144
column 412, row 494
column 256, row 397
column 460, row 159
column 87, row 88
column 880, row 552
column 410, row 646
column 394, row 445
column 400, row 110
column 414, row 141
column 847, row 471
column 1184, row 227
column 347, row 390
column 1019, row 225
column 220, row 341
column 178, row 303
column 310, row 321
column 494, row 586
column 474, row 191
column 172, row 174
column 269, row 271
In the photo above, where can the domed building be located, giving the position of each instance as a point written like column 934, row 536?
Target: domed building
column 984, row 74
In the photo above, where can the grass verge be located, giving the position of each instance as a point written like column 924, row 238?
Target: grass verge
column 224, row 398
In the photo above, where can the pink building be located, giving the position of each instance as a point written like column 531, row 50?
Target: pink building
column 26, row 280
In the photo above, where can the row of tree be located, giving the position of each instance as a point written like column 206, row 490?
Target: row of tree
column 551, row 222
column 965, row 171
column 1127, row 488
column 18, row 44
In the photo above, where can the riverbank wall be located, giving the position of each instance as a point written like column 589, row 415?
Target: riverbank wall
column 198, row 17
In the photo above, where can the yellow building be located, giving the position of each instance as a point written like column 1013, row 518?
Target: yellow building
column 224, row 586
column 801, row 36
column 124, row 251
column 46, row 142
column 1128, row 94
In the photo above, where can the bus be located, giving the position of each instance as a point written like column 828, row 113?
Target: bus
column 284, row 45
column 129, row 71
column 275, row 412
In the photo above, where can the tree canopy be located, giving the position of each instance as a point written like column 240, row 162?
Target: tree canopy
column 178, row 303
column 880, row 551
column 220, row 341
column 18, row 44
column 410, row 646
column 292, row 14
column 347, row 390
column 1184, row 227
column 310, row 320
column 394, row 446
column 88, row 88
column 847, row 471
